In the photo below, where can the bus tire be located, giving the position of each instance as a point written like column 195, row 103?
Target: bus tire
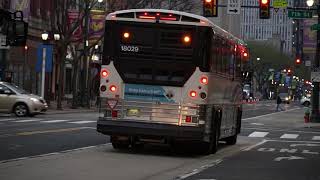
column 119, row 145
column 212, row 146
column 232, row 140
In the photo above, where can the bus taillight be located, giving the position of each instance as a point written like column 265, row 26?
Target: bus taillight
column 188, row 119
column 113, row 88
column 204, row 80
column 104, row 73
column 193, row 94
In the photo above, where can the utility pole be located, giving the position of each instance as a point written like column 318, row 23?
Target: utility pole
column 85, row 89
column 315, row 116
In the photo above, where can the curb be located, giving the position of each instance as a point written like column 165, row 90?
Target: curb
column 51, row 112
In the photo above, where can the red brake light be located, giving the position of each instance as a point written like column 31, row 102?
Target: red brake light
column 193, row 94
column 147, row 17
column 264, row 1
column 114, row 114
column 104, row 73
column 204, row 80
column 113, row 88
column 188, row 119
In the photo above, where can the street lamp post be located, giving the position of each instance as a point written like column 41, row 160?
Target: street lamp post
column 315, row 116
column 44, row 37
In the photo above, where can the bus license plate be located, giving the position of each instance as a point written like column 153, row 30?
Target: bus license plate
column 133, row 112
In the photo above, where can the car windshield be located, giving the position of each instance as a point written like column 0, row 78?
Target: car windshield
column 16, row 88
column 283, row 95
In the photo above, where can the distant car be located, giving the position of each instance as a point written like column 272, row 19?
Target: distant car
column 246, row 92
column 306, row 101
column 16, row 100
column 285, row 98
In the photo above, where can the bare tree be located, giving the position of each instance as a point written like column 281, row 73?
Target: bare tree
column 62, row 25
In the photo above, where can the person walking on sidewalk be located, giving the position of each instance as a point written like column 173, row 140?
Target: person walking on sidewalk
column 279, row 101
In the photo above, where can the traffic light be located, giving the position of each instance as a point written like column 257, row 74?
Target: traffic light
column 298, row 61
column 210, row 8
column 264, row 9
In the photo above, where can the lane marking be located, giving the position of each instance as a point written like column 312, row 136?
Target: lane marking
column 54, row 153
column 196, row 171
column 82, row 122
column 11, row 119
column 316, row 138
column 258, row 134
column 51, row 131
column 287, row 141
column 246, row 119
column 282, row 130
column 54, row 121
column 27, row 120
column 289, row 136
column 255, row 145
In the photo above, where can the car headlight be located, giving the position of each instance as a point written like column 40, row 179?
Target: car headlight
column 286, row 98
column 34, row 99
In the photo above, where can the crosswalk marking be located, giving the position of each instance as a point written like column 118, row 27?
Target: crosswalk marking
column 258, row 134
column 316, row 138
column 289, row 136
column 54, row 121
column 82, row 122
column 27, row 120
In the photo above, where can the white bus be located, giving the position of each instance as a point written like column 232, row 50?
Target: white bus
column 170, row 77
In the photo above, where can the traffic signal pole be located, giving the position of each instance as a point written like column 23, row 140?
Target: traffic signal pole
column 315, row 116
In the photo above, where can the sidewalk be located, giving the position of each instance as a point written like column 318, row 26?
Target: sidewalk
column 293, row 118
column 66, row 108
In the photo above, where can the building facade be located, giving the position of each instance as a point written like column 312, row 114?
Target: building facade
column 279, row 25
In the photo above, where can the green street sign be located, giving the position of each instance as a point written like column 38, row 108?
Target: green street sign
column 299, row 14
column 280, row 3
column 315, row 27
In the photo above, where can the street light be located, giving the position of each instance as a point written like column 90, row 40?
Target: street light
column 258, row 59
column 56, row 37
column 44, row 36
column 310, row 2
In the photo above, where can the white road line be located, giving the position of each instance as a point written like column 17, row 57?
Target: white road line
column 82, row 122
column 256, row 117
column 289, row 136
column 255, row 145
column 316, row 138
column 3, row 120
column 258, row 134
column 27, row 120
column 54, row 121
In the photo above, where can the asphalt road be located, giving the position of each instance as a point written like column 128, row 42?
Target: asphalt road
column 49, row 133
column 272, row 145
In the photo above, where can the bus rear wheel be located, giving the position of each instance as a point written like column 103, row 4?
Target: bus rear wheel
column 212, row 145
column 117, row 144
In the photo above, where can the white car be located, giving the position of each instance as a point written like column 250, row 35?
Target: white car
column 306, row 101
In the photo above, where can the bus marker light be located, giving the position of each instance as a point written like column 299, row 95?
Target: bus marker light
column 193, row 93
column 104, row 73
column 186, row 39
column 188, row 119
column 126, row 35
column 113, row 88
column 204, row 80
column 103, row 88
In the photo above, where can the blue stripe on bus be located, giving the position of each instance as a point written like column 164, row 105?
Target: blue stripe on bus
column 146, row 93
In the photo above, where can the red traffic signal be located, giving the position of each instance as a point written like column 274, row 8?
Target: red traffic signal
column 264, row 9
column 298, row 61
column 210, row 8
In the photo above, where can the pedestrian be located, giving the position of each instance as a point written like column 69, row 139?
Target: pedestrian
column 279, row 101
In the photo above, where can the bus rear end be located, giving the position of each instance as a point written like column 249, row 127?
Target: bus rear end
column 153, row 80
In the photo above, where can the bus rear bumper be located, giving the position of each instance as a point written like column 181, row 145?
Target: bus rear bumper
column 134, row 128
